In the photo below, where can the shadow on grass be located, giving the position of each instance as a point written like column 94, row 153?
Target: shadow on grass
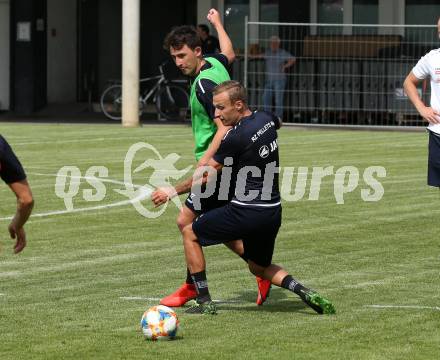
column 161, row 341
column 283, row 307
column 279, row 301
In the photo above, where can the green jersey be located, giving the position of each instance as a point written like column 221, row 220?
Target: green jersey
column 203, row 127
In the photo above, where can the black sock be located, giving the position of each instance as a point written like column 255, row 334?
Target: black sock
column 291, row 284
column 189, row 279
column 199, row 280
column 244, row 257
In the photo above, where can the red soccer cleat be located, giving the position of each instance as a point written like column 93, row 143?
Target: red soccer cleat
column 263, row 290
column 182, row 295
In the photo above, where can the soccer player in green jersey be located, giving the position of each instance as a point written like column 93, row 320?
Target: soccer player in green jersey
column 184, row 45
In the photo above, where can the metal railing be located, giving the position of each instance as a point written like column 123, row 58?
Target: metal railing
column 343, row 74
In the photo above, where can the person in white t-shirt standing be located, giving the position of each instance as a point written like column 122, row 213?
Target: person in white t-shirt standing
column 428, row 67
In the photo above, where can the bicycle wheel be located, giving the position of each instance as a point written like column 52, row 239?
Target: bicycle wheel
column 111, row 102
column 172, row 103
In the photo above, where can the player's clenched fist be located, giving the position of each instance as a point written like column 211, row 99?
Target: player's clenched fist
column 162, row 195
column 214, row 17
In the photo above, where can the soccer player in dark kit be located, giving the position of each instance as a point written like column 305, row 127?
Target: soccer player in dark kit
column 184, row 45
column 250, row 150
column 12, row 173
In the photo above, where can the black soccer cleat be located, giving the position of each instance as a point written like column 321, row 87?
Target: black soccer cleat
column 206, row 308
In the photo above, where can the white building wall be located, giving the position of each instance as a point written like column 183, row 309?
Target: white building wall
column 203, row 7
column 61, row 51
column 4, row 55
column 392, row 12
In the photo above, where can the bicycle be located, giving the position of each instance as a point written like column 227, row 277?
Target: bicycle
column 171, row 100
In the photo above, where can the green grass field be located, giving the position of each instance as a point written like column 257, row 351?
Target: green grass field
column 80, row 287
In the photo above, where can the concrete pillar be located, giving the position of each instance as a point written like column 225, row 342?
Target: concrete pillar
column 347, row 16
column 392, row 12
column 130, row 62
column 203, row 6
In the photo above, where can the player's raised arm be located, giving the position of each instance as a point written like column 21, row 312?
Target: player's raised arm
column 226, row 47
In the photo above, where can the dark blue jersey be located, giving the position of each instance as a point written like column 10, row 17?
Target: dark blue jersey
column 10, row 168
column 205, row 86
column 252, row 147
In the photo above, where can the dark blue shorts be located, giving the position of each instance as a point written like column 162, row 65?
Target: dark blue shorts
column 434, row 160
column 209, row 203
column 256, row 226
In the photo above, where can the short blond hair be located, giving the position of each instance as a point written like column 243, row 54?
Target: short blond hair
column 235, row 90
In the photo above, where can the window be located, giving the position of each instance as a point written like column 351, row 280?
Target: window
column 422, row 12
column 269, row 10
column 330, row 12
column 365, row 12
column 235, row 12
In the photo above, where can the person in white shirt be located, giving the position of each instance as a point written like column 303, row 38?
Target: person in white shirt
column 428, row 67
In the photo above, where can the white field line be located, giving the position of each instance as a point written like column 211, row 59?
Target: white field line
column 415, row 307
column 92, row 208
column 153, row 299
column 141, row 197
column 82, row 264
column 84, row 177
column 60, row 142
column 66, row 266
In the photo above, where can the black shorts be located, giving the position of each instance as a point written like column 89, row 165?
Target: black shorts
column 434, row 160
column 256, row 226
column 209, row 203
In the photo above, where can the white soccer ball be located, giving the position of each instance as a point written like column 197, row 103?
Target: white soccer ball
column 159, row 323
